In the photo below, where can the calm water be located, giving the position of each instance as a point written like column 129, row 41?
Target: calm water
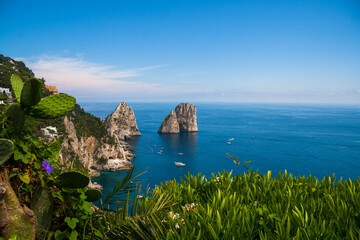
column 316, row 140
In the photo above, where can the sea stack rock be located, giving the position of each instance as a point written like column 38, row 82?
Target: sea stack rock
column 183, row 119
column 170, row 124
column 121, row 124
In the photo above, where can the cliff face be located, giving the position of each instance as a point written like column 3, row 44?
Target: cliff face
column 99, row 145
column 183, row 119
column 186, row 116
column 170, row 124
column 89, row 151
column 121, row 124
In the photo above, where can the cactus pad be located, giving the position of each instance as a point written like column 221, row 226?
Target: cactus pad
column 53, row 106
column 17, row 85
column 31, row 93
column 6, row 150
column 72, row 179
column 42, row 206
column 93, row 194
column 16, row 115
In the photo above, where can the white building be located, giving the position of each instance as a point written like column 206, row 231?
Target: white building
column 50, row 131
column 6, row 91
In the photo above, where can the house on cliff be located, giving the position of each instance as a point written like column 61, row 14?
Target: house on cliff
column 52, row 89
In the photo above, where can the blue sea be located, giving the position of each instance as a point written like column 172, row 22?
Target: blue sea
column 303, row 139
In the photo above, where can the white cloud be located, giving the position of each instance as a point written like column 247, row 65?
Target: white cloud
column 97, row 81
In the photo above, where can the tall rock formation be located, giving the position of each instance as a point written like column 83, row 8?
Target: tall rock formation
column 121, row 124
column 90, row 150
column 183, row 119
column 99, row 145
column 170, row 124
column 186, row 115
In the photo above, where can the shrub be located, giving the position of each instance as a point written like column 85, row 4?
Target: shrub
column 249, row 206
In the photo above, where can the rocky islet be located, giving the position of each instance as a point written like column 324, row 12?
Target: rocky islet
column 182, row 119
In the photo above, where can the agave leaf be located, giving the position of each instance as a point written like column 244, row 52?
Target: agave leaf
column 53, row 106
column 31, row 93
column 6, row 150
column 17, row 85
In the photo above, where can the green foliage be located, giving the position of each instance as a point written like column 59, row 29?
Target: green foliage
column 53, row 106
column 87, row 125
column 17, row 86
column 93, row 195
column 8, row 67
column 3, row 96
column 16, row 115
column 31, row 93
column 103, row 160
column 248, row 206
column 43, row 210
column 72, row 179
column 237, row 161
column 6, row 150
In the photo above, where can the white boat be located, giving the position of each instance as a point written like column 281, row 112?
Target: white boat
column 231, row 139
column 159, row 152
column 228, row 142
column 179, row 164
column 180, row 153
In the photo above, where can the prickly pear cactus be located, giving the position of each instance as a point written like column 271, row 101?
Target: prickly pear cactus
column 53, row 106
column 17, row 85
column 6, row 150
column 42, row 206
column 16, row 115
column 93, row 195
column 72, row 179
column 31, row 93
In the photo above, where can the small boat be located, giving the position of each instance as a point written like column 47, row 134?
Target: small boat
column 231, row 139
column 228, row 142
column 179, row 164
column 159, row 152
column 180, row 153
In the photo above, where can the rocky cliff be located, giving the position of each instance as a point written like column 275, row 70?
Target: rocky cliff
column 93, row 153
column 170, row 124
column 183, row 119
column 99, row 145
column 121, row 124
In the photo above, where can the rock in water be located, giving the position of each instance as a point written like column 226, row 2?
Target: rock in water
column 170, row 124
column 183, row 119
column 122, row 123
column 186, row 116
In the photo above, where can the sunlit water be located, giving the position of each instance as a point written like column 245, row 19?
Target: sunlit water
column 316, row 140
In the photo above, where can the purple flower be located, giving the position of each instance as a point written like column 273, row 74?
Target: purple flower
column 48, row 168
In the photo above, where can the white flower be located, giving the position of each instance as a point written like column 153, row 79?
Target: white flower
column 177, row 225
column 174, row 216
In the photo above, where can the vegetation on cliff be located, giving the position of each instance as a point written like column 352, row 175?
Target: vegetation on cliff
column 9, row 66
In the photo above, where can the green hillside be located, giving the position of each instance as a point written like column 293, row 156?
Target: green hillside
column 9, row 66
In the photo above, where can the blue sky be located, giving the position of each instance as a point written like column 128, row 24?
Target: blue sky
column 194, row 51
